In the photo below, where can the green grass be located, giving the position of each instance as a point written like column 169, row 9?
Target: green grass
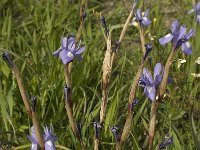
column 31, row 30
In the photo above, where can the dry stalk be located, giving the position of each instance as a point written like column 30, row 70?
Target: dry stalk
column 96, row 144
column 67, row 74
column 25, row 98
column 106, row 77
column 142, row 39
column 123, row 32
column 161, row 93
column 107, row 67
column 69, row 106
column 129, row 117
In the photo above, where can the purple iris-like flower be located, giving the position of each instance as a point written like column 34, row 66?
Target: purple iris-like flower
column 68, row 50
column 178, row 38
column 33, row 139
column 134, row 104
column 103, row 22
column 97, row 129
column 148, row 47
column 166, row 142
column 196, row 9
column 142, row 19
column 7, row 58
column 49, row 139
column 149, row 83
column 79, row 127
column 34, row 102
column 114, row 132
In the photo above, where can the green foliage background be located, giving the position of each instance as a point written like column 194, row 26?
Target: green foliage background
column 31, row 31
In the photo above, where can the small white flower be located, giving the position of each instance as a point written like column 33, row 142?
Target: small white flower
column 198, row 60
column 196, row 75
column 181, row 61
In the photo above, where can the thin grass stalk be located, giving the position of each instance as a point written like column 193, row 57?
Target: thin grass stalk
column 152, row 123
column 69, row 109
column 155, row 104
column 168, row 64
column 72, row 122
column 22, row 89
column 26, row 101
column 127, row 23
column 129, row 117
column 67, row 74
column 123, row 32
column 28, row 107
column 37, row 130
column 80, row 29
column 82, row 17
column 193, row 2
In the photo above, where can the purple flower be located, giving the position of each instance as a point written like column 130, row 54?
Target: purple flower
column 166, row 142
column 103, row 22
column 178, row 38
column 34, row 102
column 196, row 9
column 7, row 58
column 79, row 127
column 66, row 93
column 97, row 129
column 148, row 47
column 33, row 139
column 68, row 50
column 114, row 132
column 149, row 83
column 142, row 19
column 117, row 45
column 49, row 139
column 134, row 104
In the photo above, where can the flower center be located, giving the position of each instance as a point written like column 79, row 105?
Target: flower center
column 180, row 42
column 70, row 54
column 187, row 44
column 34, row 146
column 198, row 17
column 49, row 143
